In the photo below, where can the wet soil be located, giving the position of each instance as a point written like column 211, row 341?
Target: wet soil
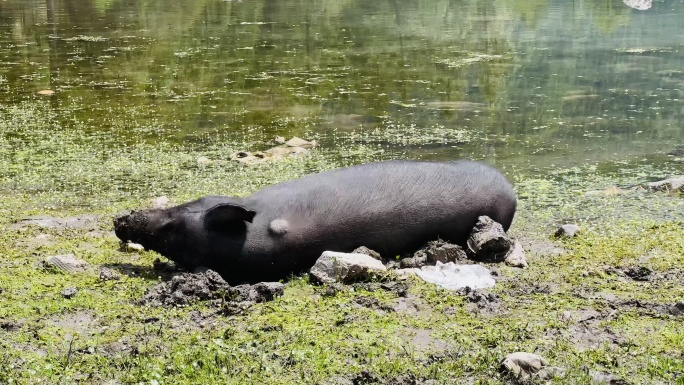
column 186, row 288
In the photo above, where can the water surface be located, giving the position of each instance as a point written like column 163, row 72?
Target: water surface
column 538, row 84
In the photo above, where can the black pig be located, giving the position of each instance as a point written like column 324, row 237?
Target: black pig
column 392, row 207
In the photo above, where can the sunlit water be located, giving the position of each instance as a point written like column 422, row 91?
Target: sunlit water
column 539, row 84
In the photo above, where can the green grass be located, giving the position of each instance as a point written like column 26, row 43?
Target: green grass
column 58, row 167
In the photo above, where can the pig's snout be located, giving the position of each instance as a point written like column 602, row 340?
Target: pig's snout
column 126, row 226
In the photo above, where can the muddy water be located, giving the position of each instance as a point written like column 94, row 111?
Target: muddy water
column 540, row 84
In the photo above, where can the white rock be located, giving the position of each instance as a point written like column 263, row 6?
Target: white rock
column 568, row 230
column 344, row 267
column 453, row 277
column 668, row 185
column 134, row 247
column 299, row 142
column 160, row 202
column 516, row 257
column 522, row 364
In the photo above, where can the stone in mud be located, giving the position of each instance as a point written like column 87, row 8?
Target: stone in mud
column 415, row 262
column 674, row 184
column 567, row 231
column 331, row 289
column 131, row 247
column 299, row 142
column 366, row 251
column 265, row 291
column 69, row 292
column 345, row 267
column 67, row 263
column 291, row 148
column 516, row 257
column 522, row 365
column 439, row 251
column 488, row 241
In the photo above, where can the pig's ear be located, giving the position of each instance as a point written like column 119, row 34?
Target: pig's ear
column 226, row 216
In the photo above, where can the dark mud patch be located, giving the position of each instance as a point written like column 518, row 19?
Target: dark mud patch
column 585, row 330
column 482, row 302
column 645, row 274
column 587, row 336
column 10, row 326
column 398, row 288
column 652, row 309
column 373, row 303
column 186, row 288
column 84, row 222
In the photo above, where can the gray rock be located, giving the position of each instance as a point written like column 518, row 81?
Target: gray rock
column 488, row 241
column 265, row 291
column 107, row 274
column 549, row 372
column 568, row 230
column 443, row 252
column 413, row 262
column 345, row 267
column 516, row 257
column 69, row 292
column 366, row 251
column 674, row 184
column 453, row 277
column 522, row 364
column 677, row 309
column 67, row 262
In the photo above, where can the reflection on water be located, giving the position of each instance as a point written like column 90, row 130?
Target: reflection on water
column 641, row 5
column 535, row 82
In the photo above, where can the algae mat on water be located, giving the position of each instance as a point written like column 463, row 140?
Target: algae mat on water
column 598, row 302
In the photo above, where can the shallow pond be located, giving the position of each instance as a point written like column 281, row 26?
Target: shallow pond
column 532, row 86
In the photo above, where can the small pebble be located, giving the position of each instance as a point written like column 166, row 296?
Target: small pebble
column 69, row 292
column 568, row 230
column 134, row 247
